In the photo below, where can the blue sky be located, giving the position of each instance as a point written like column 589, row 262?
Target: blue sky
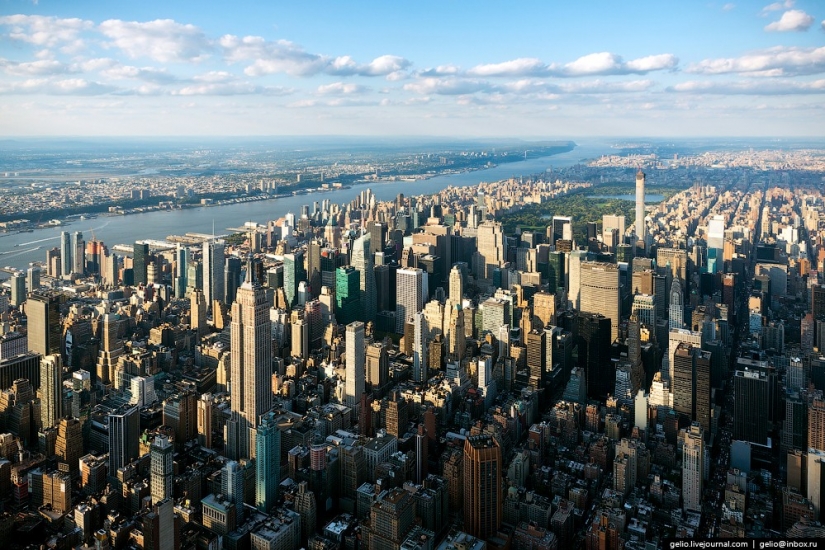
column 525, row 69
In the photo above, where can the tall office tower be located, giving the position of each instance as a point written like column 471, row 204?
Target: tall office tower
column 53, row 260
column 482, row 486
column 816, row 422
column 293, row 274
column 420, row 348
column 816, row 481
column 197, row 312
column 267, row 463
column 94, row 252
column 194, row 276
column 594, row 354
column 574, row 277
column 378, row 236
column 181, row 270
column 314, row 277
column 124, row 431
column 18, row 289
column 634, row 354
column 693, row 468
column 750, row 406
column 111, row 348
column 644, row 306
column 716, row 233
column 51, row 390
column 140, row 262
column 691, row 384
column 377, row 367
column 491, row 249
column 362, row 261
column 600, row 293
column 161, row 472
column 205, row 411
column 347, row 295
column 355, row 364
column 299, row 334
column 251, row 365
column 33, row 278
column 456, row 285
column 616, row 224
column 44, row 329
column 562, row 229
column 537, row 348
column 66, row 255
column 69, row 444
column 213, row 267
column 677, row 305
column 307, row 508
column 78, row 253
column 410, row 293
column 180, row 413
column 544, row 309
column 232, row 487
column 457, row 336
column 640, row 205
column 391, row 519
column 556, row 262
column 232, row 277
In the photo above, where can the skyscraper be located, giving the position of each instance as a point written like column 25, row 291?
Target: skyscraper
column 492, row 250
column 124, row 430
column 594, row 354
column 456, row 285
column 420, row 348
column 355, row 363
column 482, row 486
column 69, row 444
column 677, row 305
column 43, row 312
column 600, row 293
column 410, row 292
column 232, row 486
column 347, row 295
column 267, row 463
column 66, row 254
column 140, row 262
column 78, row 253
column 640, row 205
column 231, row 277
column 251, row 365
column 213, row 268
column 362, row 262
column 691, row 384
column 51, row 390
column 750, row 406
column 693, row 468
column 197, row 312
column 160, row 478
column 293, row 274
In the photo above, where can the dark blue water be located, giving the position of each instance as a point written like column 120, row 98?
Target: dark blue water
column 17, row 250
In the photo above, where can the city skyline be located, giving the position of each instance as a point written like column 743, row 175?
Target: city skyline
column 563, row 71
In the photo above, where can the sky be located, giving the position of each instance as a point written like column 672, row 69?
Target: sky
column 533, row 70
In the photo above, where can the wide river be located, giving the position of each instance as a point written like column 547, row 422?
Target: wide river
column 17, row 250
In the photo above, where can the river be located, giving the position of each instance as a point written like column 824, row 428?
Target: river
column 18, row 250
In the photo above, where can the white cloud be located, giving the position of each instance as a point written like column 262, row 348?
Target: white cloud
column 595, row 64
column 341, row 88
column 148, row 74
column 34, row 68
column 792, row 20
column 523, row 66
column 778, row 6
column 441, row 70
column 163, row 40
column 283, row 56
column 750, row 87
column 729, row 6
column 447, row 86
column 45, row 31
column 231, row 88
column 72, row 86
column 778, row 61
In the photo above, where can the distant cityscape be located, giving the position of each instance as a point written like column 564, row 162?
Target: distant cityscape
column 545, row 362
